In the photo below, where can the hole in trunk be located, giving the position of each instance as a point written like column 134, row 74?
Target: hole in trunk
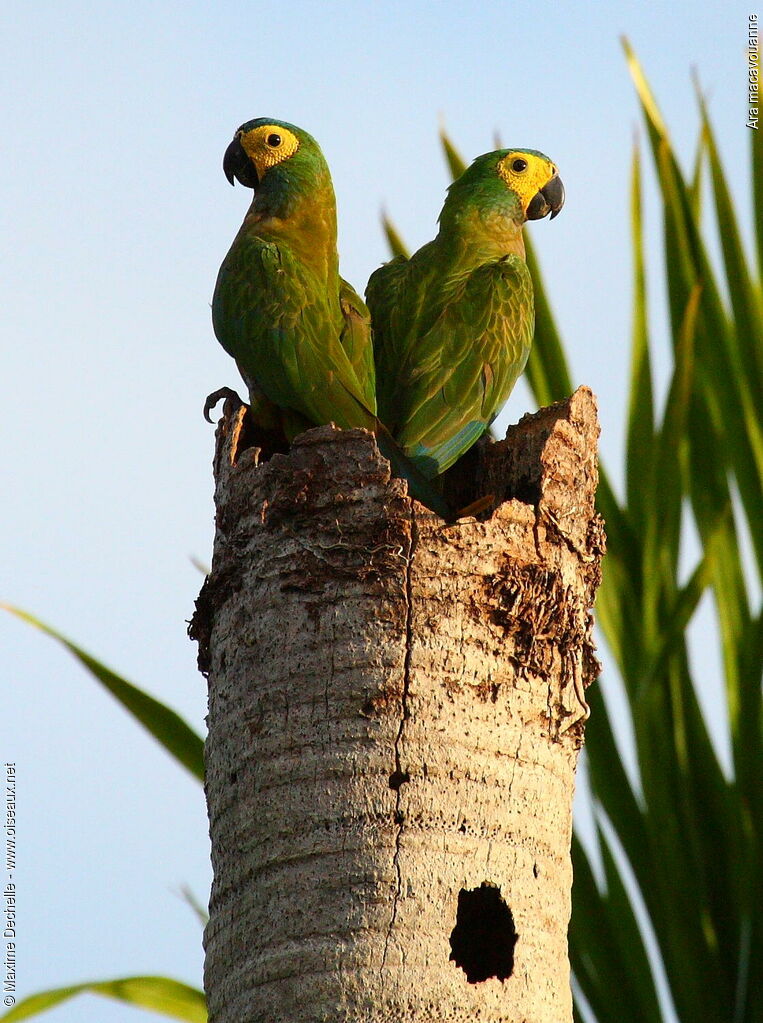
column 482, row 942
column 269, row 442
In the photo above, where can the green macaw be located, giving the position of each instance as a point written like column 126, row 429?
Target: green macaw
column 300, row 335
column 453, row 324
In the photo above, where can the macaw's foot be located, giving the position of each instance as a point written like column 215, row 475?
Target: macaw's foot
column 261, row 425
column 233, row 402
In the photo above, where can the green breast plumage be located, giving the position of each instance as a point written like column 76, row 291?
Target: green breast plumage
column 299, row 334
column 284, row 328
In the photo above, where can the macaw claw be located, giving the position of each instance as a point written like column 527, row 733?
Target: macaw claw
column 233, row 402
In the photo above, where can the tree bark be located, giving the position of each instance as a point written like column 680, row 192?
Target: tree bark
column 395, row 711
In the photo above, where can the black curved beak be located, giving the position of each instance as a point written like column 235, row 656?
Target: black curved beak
column 549, row 199
column 238, row 166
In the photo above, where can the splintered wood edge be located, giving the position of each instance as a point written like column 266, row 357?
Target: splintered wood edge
column 533, row 449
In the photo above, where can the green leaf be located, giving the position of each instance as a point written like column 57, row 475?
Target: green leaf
column 167, row 727
column 745, row 300
column 589, row 938
column 723, row 377
column 191, row 900
column 673, row 625
column 547, row 370
column 159, row 994
column 665, row 487
column 748, row 737
column 636, row 984
column 606, row 949
column 692, row 838
column 675, row 890
column 640, row 439
column 712, row 505
column 618, row 602
column 648, row 102
column 695, row 187
column 612, row 787
column 397, row 246
column 456, row 163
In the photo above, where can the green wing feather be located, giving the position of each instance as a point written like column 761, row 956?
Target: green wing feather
column 274, row 317
column 356, row 338
column 468, row 363
column 449, row 374
column 387, row 292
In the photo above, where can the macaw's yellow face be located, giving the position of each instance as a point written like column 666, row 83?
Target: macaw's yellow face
column 535, row 180
column 257, row 147
column 268, row 145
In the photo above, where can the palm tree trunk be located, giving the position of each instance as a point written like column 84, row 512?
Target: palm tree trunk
column 395, row 711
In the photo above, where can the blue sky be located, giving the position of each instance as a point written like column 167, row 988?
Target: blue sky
column 115, row 217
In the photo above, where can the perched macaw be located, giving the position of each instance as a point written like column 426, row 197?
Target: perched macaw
column 453, row 324
column 300, row 335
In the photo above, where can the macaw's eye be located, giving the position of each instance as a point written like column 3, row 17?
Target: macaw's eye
column 274, row 141
column 519, row 165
